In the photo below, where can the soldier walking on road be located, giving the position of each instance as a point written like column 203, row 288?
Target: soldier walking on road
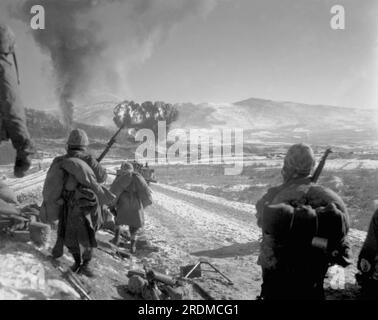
column 77, row 225
column 132, row 196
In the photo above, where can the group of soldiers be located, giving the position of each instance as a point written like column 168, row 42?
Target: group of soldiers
column 304, row 225
column 79, row 210
column 80, row 214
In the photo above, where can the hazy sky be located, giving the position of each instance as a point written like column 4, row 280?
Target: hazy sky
column 237, row 49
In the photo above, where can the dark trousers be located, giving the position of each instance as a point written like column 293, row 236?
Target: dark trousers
column 86, row 253
column 58, row 249
column 282, row 285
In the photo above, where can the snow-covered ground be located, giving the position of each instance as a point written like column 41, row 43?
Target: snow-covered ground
column 186, row 226
column 23, row 275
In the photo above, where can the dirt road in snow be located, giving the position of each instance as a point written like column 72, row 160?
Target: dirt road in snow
column 188, row 226
column 191, row 226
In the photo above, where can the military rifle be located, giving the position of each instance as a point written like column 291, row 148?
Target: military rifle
column 110, row 143
column 319, row 168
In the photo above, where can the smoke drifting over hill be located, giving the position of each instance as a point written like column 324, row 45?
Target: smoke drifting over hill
column 94, row 43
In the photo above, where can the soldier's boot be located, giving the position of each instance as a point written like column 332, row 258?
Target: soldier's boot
column 21, row 166
column 86, row 270
column 76, row 266
column 58, row 249
column 117, row 236
column 23, row 158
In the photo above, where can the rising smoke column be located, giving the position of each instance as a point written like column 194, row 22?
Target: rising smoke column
column 90, row 40
column 72, row 49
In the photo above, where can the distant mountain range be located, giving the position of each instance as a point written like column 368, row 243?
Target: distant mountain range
column 265, row 120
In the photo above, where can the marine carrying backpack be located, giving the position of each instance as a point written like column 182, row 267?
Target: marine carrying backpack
column 323, row 228
column 52, row 204
column 81, row 173
column 142, row 189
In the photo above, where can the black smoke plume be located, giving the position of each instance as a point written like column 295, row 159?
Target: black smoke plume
column 71, row 48
column 94, row 43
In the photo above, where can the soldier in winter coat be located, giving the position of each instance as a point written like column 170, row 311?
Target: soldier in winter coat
column 304, row 228
column 81, row 209
column 129, row 202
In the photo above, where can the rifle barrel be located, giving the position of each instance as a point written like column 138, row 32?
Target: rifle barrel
column 320, row 166
column 110, row 144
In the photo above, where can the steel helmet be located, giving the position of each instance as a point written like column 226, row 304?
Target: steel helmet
column 7, row 39
column 299, row 161
column 78, row 138
column 127, row 166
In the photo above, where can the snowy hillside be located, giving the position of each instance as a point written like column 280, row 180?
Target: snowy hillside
column 264, row 120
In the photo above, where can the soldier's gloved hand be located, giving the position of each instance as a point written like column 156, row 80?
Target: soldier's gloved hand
column 21, row 166
column 23, row 159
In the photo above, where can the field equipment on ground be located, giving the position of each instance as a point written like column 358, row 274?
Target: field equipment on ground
column 320, row 166
column 150, row 289
column 24, row 224
column 158, row 286
column 176, row 289
column 151, row 274
column 194, row 271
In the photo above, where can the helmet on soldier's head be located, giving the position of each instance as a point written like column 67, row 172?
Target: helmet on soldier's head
column 299, row 161
column 127, row 166
column 78, row 138
column 7, row 39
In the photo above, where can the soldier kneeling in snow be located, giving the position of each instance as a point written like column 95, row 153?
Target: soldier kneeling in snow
column 72, row 195
column 132, row 196
column 368, row 261
column 304, row 229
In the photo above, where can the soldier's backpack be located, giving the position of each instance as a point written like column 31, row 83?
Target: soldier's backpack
column 66, row 173
column 81, row 173
column 52, row 204
column 142, row 189
column 323, row 228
